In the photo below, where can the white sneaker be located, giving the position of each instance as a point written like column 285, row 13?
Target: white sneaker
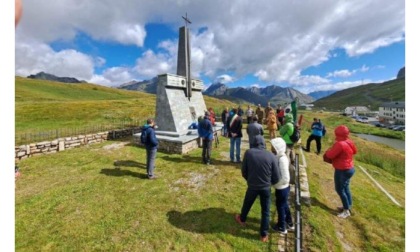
column 344, row 214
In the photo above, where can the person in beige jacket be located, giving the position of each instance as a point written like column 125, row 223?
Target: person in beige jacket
column 285, row 221
column 272, row 124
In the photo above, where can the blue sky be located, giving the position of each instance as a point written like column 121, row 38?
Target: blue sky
column 306, row 45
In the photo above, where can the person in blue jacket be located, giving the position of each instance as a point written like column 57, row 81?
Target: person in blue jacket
column 205, row 131
column 317, row 133
column 151, row 146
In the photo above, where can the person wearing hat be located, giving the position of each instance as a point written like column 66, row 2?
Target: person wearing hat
column 205, row 131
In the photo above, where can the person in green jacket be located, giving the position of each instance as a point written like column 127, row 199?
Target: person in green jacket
column 285, row 132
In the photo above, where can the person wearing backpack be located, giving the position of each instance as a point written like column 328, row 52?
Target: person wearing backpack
column 317, row 133
column 286, row 132
column 148, row 137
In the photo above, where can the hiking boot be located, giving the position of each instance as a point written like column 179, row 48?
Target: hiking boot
column 264, row 238
column 344, row 214
column 152, row 177
column 307, row 150
column 278, row 229
column 238, row 219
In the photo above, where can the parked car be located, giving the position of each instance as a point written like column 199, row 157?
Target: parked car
column 362, row 119
column 380, row 125
column 399, row 128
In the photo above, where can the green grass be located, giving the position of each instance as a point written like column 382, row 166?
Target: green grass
column 97, row 197
column 45, row 105
column 377, row 224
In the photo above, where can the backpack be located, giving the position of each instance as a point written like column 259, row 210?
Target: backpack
column 143, row 137
column 295, row 136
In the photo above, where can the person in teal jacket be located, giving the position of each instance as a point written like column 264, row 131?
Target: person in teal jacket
column 285, row 132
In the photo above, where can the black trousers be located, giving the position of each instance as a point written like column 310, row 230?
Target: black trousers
column 206, row 154
column 317, row 140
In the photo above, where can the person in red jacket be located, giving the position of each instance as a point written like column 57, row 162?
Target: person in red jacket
column 212, row 116
column 341, row 154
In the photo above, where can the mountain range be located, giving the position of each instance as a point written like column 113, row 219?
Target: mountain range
column 369, row 95
column 255, row 95
column 47, row 76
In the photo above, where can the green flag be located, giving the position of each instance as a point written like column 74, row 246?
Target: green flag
column 294, row 110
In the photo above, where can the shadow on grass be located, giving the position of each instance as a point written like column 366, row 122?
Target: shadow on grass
column 213, row 220
column 119, row 173
column 317, row 203
column 196, row 160
column 129, row 163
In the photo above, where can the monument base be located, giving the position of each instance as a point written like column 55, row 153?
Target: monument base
column 175, row 143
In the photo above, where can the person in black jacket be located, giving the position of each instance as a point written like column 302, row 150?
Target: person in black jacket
column 151, row 146
column 254, row 129
column 235, row 135
column 205, row 131
column 260, row 169
column 225, row 116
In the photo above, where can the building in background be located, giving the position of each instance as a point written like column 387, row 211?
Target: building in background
column 392, row 112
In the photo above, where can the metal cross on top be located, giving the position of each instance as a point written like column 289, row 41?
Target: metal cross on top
column 187, row 21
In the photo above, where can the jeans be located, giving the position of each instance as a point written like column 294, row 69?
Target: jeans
column 283, row 210
column 206, row 153
column 317, row 140
column 224, row 129
column 265, row 202
column 342, row 186
column 235, row 142
column 150, row 162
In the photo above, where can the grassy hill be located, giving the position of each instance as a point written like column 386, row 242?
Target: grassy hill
column 98, row 198
column 369, row 95
column 42, row 105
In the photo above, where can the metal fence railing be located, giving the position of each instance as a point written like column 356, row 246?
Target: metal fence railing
column 48, row 135
column 298, row 214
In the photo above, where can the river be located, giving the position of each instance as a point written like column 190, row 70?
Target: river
column 394, row 143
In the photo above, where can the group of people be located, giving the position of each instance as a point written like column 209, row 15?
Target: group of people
column 273, row 119
column 262, row 168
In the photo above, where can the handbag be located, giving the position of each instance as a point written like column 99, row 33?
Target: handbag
column 326, row 159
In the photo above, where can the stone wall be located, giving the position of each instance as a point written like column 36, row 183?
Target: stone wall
column 61, row 144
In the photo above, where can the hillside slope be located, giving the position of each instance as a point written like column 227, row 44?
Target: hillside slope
column 369, row 95
column 42, row 105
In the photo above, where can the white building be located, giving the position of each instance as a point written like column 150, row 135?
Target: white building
column 392, row 112
column 355, row 110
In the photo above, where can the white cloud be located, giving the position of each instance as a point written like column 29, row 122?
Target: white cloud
column 275, row 41
column 225, row 79
column 150, row 64
column 33, row 57
column 344, row 73
column 340, row 73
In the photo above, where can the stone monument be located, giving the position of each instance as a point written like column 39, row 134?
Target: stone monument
column 179, row 102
